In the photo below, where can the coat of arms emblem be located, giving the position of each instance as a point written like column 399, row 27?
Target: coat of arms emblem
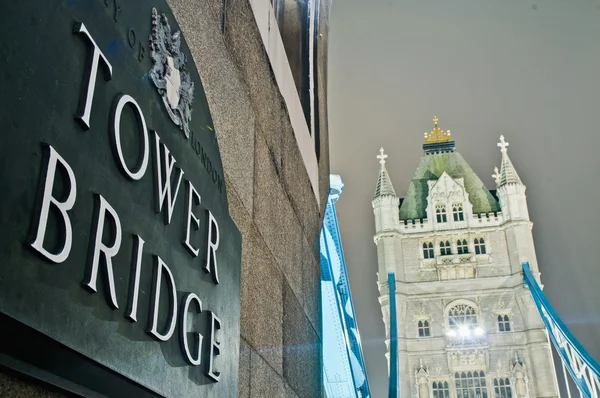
column 169, row 73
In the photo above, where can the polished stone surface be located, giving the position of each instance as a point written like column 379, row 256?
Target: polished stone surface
column 274, row 207
column 270, row 199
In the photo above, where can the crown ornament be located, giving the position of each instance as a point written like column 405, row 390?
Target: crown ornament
column 437, row 135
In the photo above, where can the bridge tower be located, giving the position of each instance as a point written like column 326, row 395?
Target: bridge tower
column 467, row 325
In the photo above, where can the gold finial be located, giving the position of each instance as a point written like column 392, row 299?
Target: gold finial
column 437, row 135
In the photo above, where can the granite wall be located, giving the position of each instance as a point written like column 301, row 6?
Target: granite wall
column 270, row 199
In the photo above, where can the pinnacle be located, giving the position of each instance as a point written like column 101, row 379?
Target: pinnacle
column 508, row 174
column 384, row 184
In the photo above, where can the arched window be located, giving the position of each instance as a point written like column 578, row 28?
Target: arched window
column 440, row 213
column 423, row 327
column 462, row 316
column 428, row 250
column 503, row 323
column 502, row 388
column 457, row 212
column 445, row 248
column 479, row 246
column 440, row 389
column 462, row 247
column 470, row 384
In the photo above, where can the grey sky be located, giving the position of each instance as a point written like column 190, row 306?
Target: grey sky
column 527, row 69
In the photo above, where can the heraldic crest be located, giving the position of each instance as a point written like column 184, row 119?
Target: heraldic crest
column 169, row 74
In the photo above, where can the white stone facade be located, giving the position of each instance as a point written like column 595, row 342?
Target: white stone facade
column 464, row 315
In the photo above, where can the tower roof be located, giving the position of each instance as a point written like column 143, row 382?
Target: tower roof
column 434, row 162
column 384, row 184
column 508, row 174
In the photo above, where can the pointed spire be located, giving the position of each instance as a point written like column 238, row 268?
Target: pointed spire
column 384, row 184
column 508, row 174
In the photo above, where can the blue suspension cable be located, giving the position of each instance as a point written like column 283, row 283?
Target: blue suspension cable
column 582, row 368
column 394, row 383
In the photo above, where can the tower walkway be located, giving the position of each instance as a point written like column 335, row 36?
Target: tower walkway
column 344, row 373
column 578, row 363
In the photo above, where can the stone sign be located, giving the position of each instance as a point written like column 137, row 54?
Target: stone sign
column 119, row 261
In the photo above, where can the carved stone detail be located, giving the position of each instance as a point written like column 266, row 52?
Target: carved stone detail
column 169, row 74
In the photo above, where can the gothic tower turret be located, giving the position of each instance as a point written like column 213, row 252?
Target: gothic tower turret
column 385, row 207
column 513, row 203
column 511, row 190
column 385, row 202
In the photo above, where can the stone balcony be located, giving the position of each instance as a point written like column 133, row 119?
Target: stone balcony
column 450, row 259
column 458, row 342
column 456, row 266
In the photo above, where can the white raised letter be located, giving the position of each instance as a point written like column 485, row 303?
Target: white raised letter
column 99, row 247
column 134, row 281
column 63, row 207
column 85, row 107
column 192, row 193
column 211, row 250
column 116, row 137
column 152, row 329
column 163, row 180
column 215, row 346
column 184, row 332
